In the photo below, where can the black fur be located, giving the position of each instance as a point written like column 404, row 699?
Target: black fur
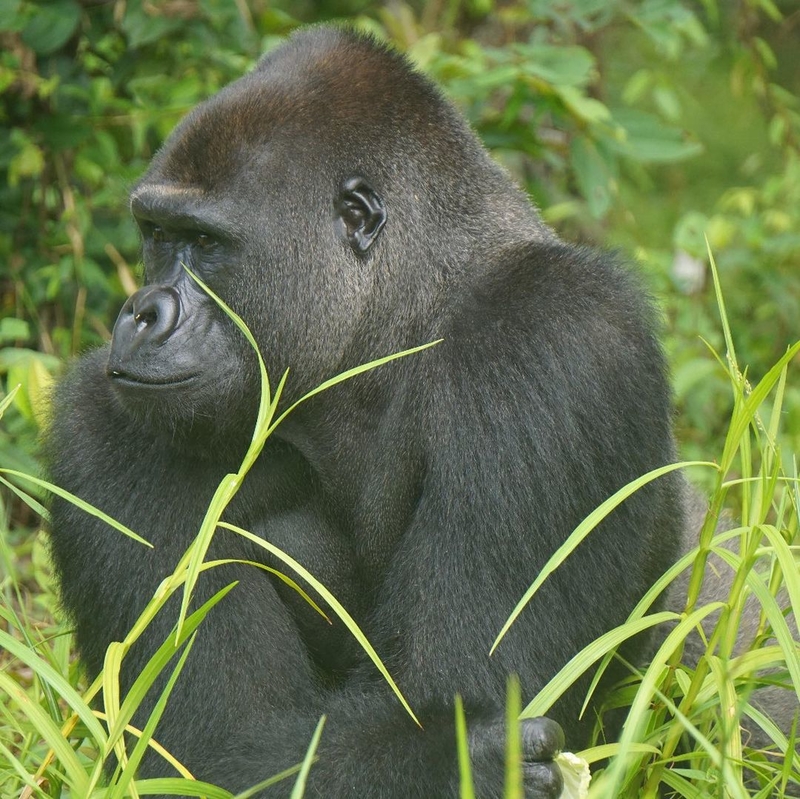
column 348, row 212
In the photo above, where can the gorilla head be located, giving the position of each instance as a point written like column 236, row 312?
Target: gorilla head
column 339, row 183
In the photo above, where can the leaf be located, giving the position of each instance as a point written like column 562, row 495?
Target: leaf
column 13, row 329
column 587, row 109
column 650, row 141
column 561, row 66
column 29, row 161
column 51, row 26
column 142, row 28
column 593, row 174
column 9, row 14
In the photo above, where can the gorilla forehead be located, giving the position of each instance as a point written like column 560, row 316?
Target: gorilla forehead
column 324, row 95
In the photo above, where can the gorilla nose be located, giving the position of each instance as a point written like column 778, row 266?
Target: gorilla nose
column 147, row 319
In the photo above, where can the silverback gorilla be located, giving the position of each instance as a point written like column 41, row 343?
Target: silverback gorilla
column 345, row 211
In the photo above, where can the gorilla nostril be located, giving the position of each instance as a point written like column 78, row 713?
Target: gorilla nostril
column 155, row 311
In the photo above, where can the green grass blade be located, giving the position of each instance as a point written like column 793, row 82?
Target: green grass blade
column 743, row 416
column 513, row 782
column 300, row 783
column 8, row 757
column 606, row 751
column 78, row 502
column 32, row 503
column 196, row 554
column 637, row 715
column 792, row 757
column 159, row 660
column 726, row 328
column 264, row 427
column 733, row 785
column 268, row 783
column 176, row 786
column 71, row 767
column 45, row 672
column 645, row 603
column 789, row 568
column 110, row 676
column 350, row 373
column 211, row 564
column 245, row 330
column 120, row 789
column 732, row 740
column 780, row 628
column 579, row 663
column 466, row 785
column 5, row 403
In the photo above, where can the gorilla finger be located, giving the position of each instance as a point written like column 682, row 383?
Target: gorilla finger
column 542, row 739
column 542, row 780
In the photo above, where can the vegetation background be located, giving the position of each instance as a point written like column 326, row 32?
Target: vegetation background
column 649, row 125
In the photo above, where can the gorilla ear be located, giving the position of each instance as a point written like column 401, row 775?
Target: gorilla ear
column 360, row 214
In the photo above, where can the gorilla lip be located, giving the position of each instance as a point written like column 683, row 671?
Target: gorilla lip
column 127, row 379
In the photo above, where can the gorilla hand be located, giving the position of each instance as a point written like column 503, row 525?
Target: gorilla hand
column 542, row 741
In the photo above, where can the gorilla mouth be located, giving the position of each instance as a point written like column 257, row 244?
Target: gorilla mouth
column 149, row 381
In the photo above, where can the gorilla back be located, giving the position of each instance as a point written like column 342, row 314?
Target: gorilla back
column 346, row 211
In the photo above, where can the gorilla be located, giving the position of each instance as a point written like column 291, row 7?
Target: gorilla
column 345, row 210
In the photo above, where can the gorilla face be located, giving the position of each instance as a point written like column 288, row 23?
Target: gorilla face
column 173, row 352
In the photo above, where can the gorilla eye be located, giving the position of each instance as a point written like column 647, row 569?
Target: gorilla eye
column 204, row 240
column 157, row 233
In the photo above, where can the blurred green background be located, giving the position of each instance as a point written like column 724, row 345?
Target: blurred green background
column 646, row 126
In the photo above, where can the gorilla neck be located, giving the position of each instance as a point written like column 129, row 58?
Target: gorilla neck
column 203, row 439
column 349, row 437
